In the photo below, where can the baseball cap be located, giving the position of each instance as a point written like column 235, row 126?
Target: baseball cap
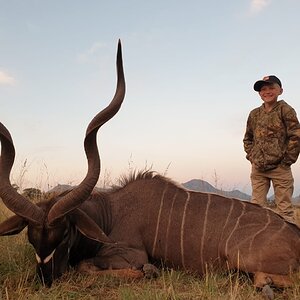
column 266, row 80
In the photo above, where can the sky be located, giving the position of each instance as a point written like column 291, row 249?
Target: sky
column 189, row 66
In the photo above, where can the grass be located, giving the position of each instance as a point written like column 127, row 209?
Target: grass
column 172, row 285
column 18, row 280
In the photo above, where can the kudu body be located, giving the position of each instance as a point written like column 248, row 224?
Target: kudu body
column 148, row 218
column 153, row 218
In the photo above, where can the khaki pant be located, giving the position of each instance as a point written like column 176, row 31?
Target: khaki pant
column 283, row 184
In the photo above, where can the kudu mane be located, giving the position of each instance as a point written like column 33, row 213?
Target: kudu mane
column 134, row 176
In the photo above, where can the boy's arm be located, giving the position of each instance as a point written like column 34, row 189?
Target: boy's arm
column 248, row 139
column 293, row 141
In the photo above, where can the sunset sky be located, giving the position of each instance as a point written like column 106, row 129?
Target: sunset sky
column 190, row 67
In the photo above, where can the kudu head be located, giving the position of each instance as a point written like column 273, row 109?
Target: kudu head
column 52, row 225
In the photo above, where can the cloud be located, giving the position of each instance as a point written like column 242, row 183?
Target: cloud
column 256, row 6
column 89, row 54
column 6, row 79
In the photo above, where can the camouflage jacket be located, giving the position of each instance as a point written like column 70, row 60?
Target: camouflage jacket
column 272, row 138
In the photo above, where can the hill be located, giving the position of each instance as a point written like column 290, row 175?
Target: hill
column 199, row 185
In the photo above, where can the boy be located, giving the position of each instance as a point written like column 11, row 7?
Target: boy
column 272, row 144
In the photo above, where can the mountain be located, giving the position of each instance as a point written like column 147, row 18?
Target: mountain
column 60, row 188
column 66, row 187
column 203, row 186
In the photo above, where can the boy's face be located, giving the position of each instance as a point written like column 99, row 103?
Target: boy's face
column 269, row 93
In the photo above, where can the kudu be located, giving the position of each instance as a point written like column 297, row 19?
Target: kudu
column 147, row 218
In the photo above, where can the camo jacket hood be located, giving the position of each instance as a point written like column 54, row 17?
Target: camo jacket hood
column 272, row 138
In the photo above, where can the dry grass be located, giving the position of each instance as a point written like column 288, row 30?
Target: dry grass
column 19, row 281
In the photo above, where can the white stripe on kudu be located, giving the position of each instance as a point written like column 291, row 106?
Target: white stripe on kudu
column 182, row 228
column 260, row 231
column 235, row 227
column 158, row 219
column 225, row 225
column 204, row 230
column 169, row 224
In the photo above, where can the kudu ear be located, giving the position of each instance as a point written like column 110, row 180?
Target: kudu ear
column 12, row 225
column 88, row 227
